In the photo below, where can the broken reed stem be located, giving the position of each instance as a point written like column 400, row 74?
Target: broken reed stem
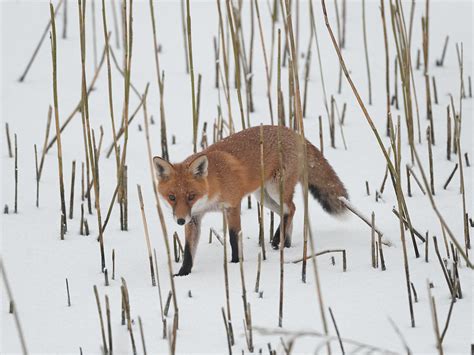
column 183, row 26
column 56, row 120
column 109, row 325
column 126, row 305
column 450, row 176
column 99, row 309
column 430, row 158
column 71, row 199
column 190, row 59
column 15, row 309
column 68, row 294
column 440, row 61
column 37, row 176
column 38, row 46
column 434, row 318
column 412, row 173
column 7, row 132
column 337, row 331
column 16, row 175
column 142, row 335
column 159, row 288
column 342, row 251
column 259, row 267
column 147, row 235
column 372, row 243
column 229, row 345
column 364, row 29
column 435, row 91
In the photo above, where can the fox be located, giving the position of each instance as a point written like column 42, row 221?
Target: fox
column 220, row 176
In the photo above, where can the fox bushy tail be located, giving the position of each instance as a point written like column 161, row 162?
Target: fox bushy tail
column 323, row 182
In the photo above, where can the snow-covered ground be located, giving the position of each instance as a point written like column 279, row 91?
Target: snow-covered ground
column 363, row 299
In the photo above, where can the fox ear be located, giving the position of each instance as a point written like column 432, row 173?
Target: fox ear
column 162, row 167
column 199, row 166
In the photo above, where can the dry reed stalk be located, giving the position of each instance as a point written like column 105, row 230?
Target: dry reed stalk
column 440, row 62
column 128, row 46
column 430, row 158
column 14, row 308
column 102, row 329
column 306, row 73
column 282, row 228
column 434, row 318
column 16, row 175
column 56, row 119
column 320, row 64
column 342, row 251
column 163, row 319
column 387, row 64
column 267, row 72
column 78, row 107
column 435, row 91
column 73, row 179
column 142, row 335
column 147, row 235
column 68, row 294
column 94, row 33
column 7, row 132
column 109, row 325
column 226, row 284
column 395, row 174
column 298, row 114
column 450, row 176
column 37, row 177
column 337, row 331
column 237, row 56
column 247, row 320
column 364, row 30
column 88, row 137
column 109, row 82
column 38, row 46
column 126, row 305
column 116, row 27
column 193, row 96
column 183, row 26
column 229, row 344
column 372, row 243
column 261, row 221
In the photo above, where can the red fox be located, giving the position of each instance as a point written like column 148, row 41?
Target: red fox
column 221, row 175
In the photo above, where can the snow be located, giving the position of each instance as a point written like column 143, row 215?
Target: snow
column 363, row 299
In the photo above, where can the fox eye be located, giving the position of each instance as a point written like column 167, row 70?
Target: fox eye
column 172, row 197
column 191, row 197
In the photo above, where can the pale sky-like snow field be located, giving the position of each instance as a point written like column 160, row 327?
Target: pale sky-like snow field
column 366, row 302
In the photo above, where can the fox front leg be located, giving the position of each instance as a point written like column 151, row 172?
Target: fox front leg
column 233, row 220
column 192, row 233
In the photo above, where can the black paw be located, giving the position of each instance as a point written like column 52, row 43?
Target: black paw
column 183, row 272
column 234, row 260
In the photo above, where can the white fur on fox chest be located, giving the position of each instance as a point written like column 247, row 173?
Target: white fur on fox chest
column 206, row 204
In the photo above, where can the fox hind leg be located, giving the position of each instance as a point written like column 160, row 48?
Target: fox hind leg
column 287, row 221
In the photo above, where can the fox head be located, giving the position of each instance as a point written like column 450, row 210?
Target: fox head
column 182, row 185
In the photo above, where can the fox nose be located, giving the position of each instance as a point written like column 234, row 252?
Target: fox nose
column 181, row 221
